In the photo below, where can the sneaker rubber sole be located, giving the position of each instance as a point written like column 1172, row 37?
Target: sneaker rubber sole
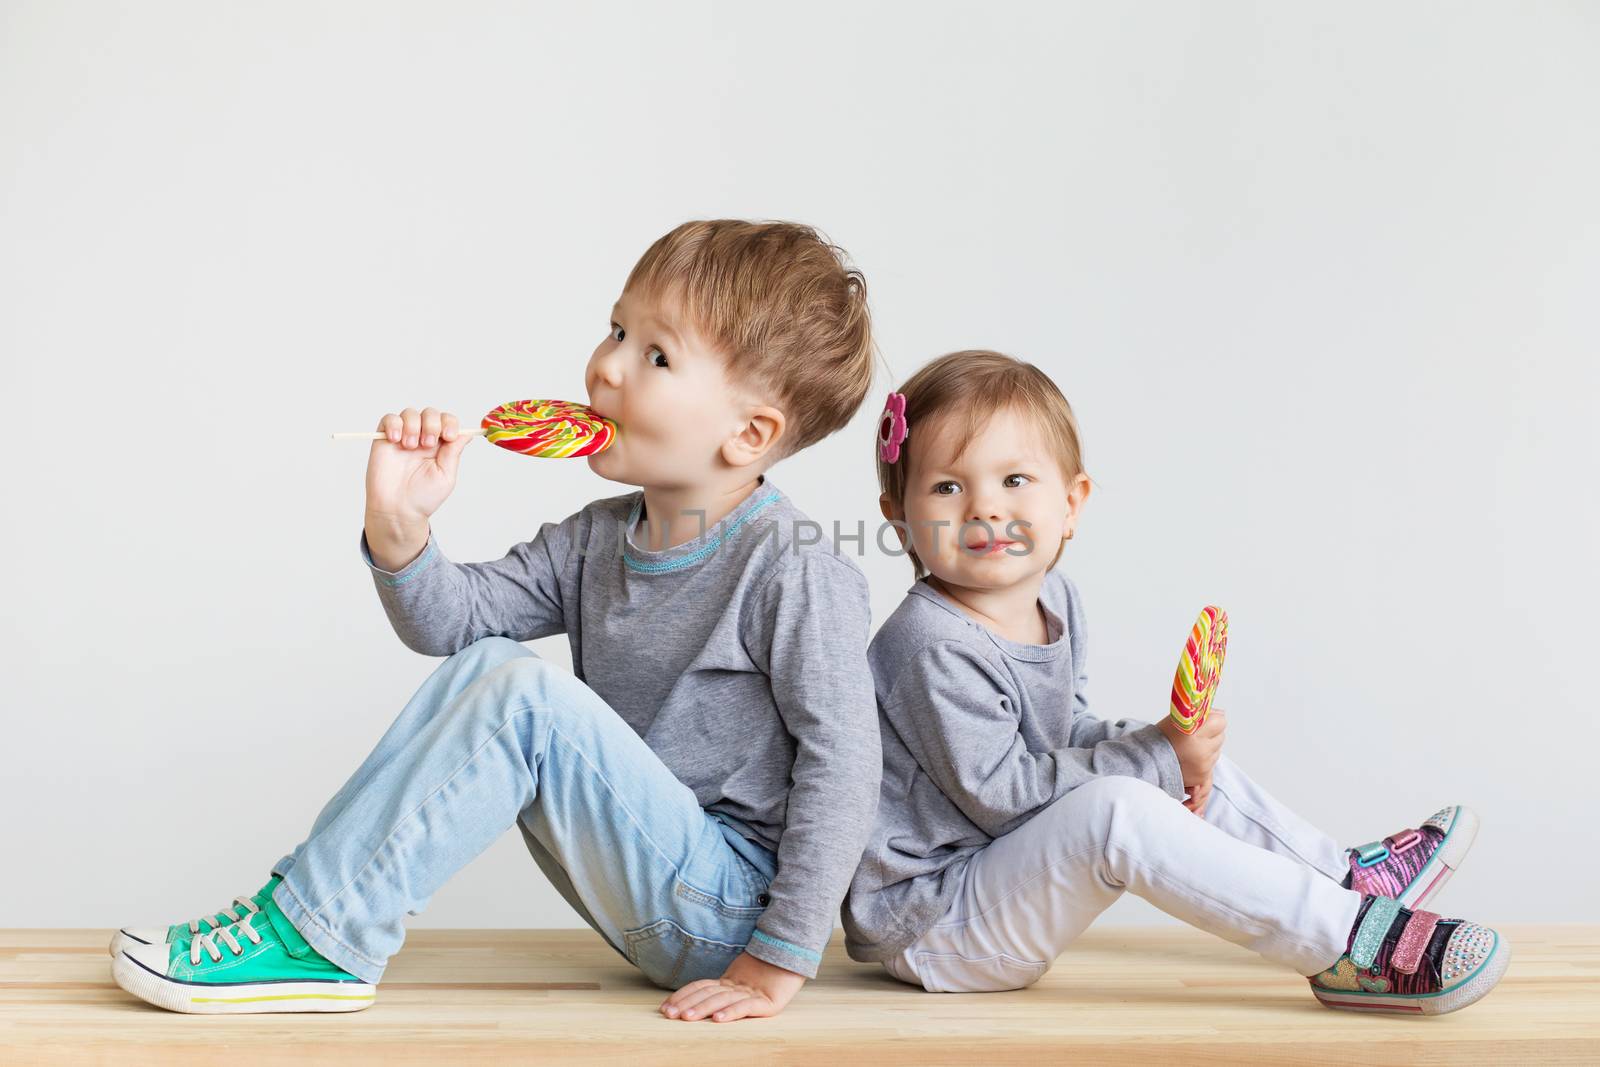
column 1471, row 989
column 239, row 998
column 1458, row 838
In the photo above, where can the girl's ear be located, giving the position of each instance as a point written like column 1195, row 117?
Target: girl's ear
column 1079, row 493
column 1076, row 497
column 893, row 513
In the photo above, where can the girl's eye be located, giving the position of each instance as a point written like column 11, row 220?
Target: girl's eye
column 938, row 489
column 653, row 353
column 617, row 332
column 1008, row 478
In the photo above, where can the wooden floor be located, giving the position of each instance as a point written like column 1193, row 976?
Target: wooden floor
column 1165, row 995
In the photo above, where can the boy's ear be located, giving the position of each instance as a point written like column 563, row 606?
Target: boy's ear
column 756, row 438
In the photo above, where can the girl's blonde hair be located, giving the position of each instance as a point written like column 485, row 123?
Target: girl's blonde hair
column 963, row 390
column 783, row 305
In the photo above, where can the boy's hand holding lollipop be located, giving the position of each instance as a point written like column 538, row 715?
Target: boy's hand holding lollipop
column 410, row 471
column 412, row 467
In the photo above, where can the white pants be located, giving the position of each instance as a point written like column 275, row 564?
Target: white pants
column 1250, row 871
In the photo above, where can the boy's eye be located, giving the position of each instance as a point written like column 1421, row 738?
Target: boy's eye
column 653, row 354
column 617, row 332
column 1008, row 478
column 939, row 489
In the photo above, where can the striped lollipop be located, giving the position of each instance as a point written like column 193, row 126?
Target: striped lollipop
column 549, row 429
column 1199, row 669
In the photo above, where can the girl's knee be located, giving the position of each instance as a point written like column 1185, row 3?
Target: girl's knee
column 1118, row 790
column 1099, row 806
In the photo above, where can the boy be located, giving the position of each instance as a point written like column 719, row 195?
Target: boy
column 701, row 786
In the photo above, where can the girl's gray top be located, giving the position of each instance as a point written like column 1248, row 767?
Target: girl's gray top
column 739, row 657
column 979, row 733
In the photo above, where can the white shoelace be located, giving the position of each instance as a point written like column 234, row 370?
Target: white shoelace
column 208, row 941
column 249, row 906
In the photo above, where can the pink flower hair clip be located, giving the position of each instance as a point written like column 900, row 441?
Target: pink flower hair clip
column 892, row 428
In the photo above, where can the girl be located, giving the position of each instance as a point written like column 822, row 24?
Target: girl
column 1010, row 816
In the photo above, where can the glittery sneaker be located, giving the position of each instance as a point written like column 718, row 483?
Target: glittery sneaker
column 1403, row 962
column 1413, row 865
column 130, row 936
column 258, row 964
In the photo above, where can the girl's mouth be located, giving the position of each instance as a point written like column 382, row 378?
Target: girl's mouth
column 989, row 548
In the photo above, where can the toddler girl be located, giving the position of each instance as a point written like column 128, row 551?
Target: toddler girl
column 1010, row 816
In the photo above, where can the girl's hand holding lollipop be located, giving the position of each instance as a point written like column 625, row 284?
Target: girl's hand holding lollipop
column 1194, row 686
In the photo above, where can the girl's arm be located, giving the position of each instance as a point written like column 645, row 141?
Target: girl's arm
column 957, row 715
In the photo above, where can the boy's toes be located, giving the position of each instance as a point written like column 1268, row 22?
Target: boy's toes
column 130, row 936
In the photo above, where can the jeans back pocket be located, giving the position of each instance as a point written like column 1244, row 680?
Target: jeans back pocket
column 671, row 956
column 700, row 935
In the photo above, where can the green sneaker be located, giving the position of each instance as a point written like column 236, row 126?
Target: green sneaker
column 131, row 936
column 258, row 964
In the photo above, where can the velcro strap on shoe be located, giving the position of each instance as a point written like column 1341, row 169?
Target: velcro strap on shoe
column 1402, row 841
column 1371, row 853
column 1380, row 916
column 1414, row 941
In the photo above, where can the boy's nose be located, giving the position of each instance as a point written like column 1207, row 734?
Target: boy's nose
column 604, row 370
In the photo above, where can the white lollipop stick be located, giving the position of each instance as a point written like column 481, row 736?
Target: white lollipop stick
column 379, row 435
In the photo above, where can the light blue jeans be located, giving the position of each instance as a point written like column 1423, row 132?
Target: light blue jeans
column 498, row 736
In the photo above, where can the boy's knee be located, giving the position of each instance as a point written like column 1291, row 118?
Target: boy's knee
column 489, row 654
column 523, row 673
column 497, row 648
column 540, row 682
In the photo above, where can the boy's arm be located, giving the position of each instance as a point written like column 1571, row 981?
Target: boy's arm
column 954, row 713
column 438, row 607
column 814, row 622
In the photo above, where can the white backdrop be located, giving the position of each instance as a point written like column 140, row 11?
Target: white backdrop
column 1319, row 280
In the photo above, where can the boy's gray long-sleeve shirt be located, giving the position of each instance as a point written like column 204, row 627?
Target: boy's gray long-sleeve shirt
column 739, row 657
column 979, row 733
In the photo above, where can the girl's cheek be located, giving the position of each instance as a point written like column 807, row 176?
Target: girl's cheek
column 930, row 540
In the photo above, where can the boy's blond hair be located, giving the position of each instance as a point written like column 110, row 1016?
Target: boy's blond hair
column 778, row 301
column 961, row 391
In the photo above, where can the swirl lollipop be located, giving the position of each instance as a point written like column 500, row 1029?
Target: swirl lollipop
column 1199, row 669
column 549, row 429
column 545, row 429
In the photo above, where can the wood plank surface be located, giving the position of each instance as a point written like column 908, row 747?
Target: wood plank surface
column 1133, row 994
